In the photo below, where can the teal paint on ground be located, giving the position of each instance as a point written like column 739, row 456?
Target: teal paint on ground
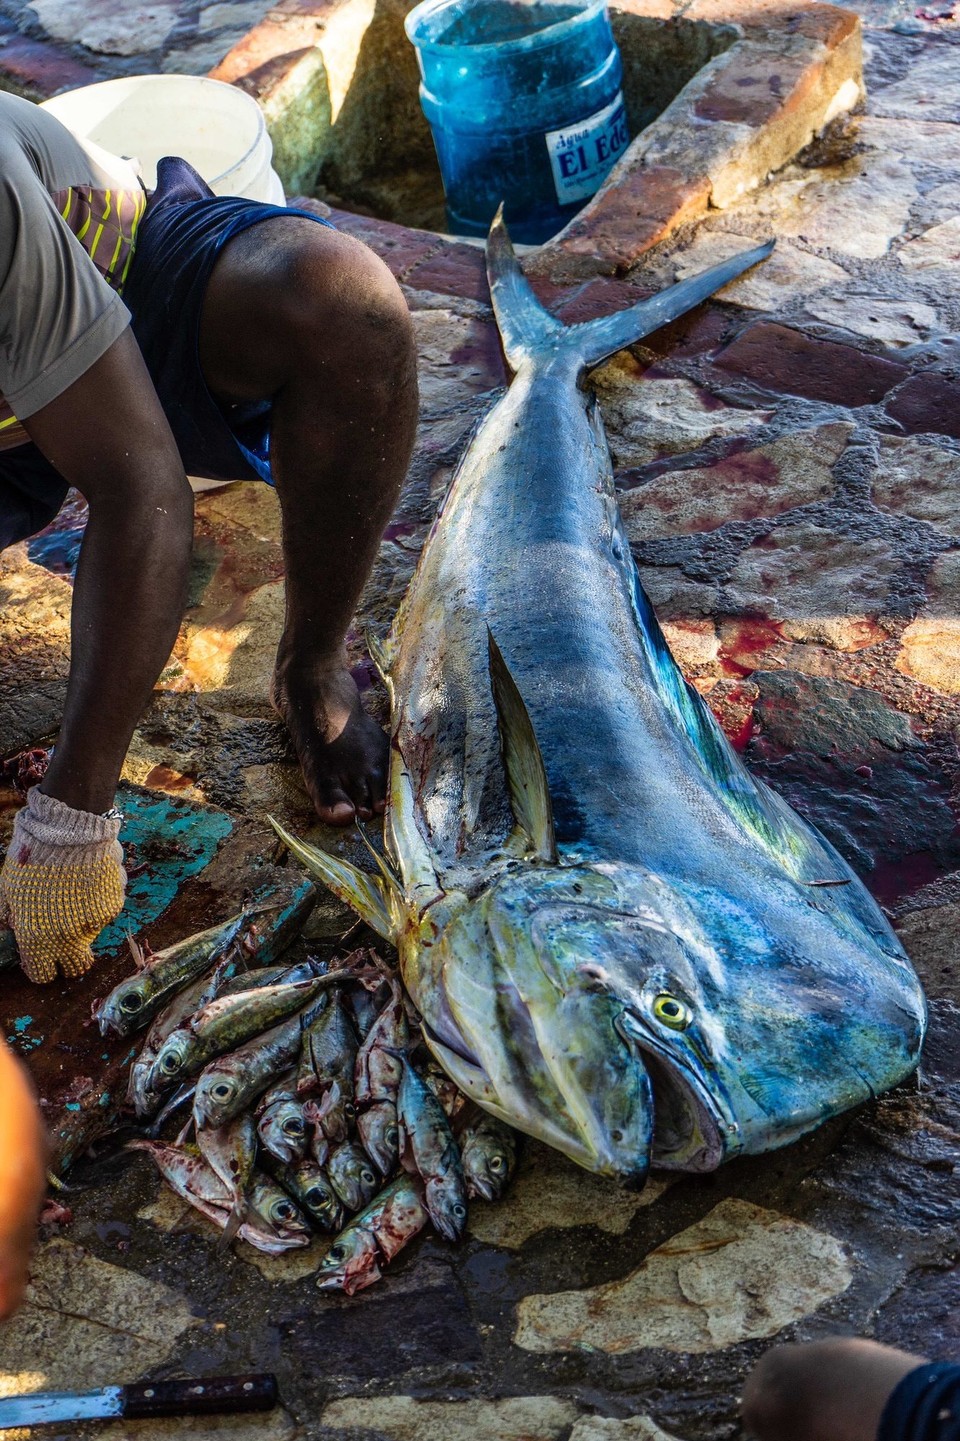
column 20, row 1039
column 173, row 840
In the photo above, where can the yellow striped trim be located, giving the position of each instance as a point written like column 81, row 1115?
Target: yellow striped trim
column 106, row 223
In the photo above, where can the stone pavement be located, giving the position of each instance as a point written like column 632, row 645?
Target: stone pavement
column 789, row 465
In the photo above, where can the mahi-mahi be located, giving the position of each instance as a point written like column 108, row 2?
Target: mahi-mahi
column 619, row 940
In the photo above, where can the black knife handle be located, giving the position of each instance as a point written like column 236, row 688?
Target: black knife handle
column 200, row 1398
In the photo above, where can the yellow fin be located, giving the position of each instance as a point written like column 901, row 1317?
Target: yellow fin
column 368, row 895
column 522, row 761
column 379, row 652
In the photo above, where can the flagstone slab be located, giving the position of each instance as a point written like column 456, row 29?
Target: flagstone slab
column 88, row 1323
column 741, row 1273
column 403, row 1418
column 550, row 1192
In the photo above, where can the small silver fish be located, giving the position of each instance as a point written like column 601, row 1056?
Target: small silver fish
column 231, row 1151
column 358, row 1255
column 489, row 1152
column 273, row 1223
column 428, row 1147
column 352, row 1175
column 281, row 1125
column 379, row 1131
column 310, row 1187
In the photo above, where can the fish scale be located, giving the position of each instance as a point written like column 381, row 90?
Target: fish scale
column 618, row 939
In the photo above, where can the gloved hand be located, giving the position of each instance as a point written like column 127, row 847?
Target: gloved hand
column 62, row 882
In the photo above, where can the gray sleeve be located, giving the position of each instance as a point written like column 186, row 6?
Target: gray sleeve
column 58, row 316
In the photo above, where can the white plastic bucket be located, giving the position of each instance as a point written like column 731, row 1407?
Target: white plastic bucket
column 218, row 128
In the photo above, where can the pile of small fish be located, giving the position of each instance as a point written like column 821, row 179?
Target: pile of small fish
column 307, row 1104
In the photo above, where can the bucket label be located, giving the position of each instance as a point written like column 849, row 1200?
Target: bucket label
column 582, row 155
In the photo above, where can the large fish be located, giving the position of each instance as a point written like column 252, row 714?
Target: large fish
column 619, row 940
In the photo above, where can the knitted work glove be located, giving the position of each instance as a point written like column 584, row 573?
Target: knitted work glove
column 62, row 881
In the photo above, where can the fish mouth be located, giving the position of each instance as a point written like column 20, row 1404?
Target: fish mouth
column 620, row 1156
column 690, row 1132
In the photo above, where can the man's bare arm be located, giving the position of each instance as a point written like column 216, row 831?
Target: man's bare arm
column 107, row 436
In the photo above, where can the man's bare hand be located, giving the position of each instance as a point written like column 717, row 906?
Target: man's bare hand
column 23, row 1160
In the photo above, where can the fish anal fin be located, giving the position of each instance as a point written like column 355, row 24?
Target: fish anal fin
column 522, row 761
column 368, row 895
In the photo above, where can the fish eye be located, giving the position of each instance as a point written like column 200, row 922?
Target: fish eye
column 458, row 1209
column 132, row 1001
column 283, row 1211
column 392, row 1135
column 349, row 1110
column 336, row 1253
column 367, row 1177
column 317, row 1196
column 293, row 1126
column 496, row 1163
column 672, row 1013
column 223, row 1091
column 171, row 1062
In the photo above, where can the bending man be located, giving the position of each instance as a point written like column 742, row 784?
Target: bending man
column 251, row 342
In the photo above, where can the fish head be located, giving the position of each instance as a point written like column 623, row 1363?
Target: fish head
column 351, row 1263
column 319, row 1198
column 283, row 1131
column 806, row 1007
column 127, row 1007
column 217, row 1090
column 171, row 1060
column 626, row 1020
column 277, row 1209
column 489, row 1156
column 520, row 1010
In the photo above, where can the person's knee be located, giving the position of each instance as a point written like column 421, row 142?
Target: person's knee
column 348, row 318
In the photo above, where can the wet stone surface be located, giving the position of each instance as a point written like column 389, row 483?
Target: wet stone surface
column 796, row 517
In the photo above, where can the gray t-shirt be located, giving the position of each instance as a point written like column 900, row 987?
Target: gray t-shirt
column 68, row 219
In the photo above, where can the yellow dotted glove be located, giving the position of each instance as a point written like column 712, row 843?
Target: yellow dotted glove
column 62, row 881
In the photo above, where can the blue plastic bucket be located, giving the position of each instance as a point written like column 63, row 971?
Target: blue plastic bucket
column 525, row 104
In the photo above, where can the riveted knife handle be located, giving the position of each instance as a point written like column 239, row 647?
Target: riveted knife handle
column 200, row 1398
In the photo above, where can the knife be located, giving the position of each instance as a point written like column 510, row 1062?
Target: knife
column 151, row 1398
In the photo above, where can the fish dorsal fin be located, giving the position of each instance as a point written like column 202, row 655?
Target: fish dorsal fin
column 522, row 761
column 524, row 325
column 756, row 809
column 369, row 896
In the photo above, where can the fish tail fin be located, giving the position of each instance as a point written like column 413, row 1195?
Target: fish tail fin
column 236, row 1218
column 526, row 327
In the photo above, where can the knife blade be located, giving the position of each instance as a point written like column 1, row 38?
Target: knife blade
column 151, row 1398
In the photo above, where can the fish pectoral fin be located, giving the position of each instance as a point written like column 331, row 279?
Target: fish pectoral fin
column 380, row 652
column 369, row 896
column 522, row 760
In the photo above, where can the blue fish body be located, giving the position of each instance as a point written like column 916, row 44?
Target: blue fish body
column 619, row 940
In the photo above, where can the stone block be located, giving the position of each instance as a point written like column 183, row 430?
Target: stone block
column 622, row 222
column 792, row 471
column 741, row 1273
column 453, row 269
column 746, row 112
column 399, row 246
column 928, row 402
column 36, row 69
column 780, row 358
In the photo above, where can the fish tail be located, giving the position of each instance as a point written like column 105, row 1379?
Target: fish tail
column 525, row 326
column 527, row 329
column 236, row 1218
